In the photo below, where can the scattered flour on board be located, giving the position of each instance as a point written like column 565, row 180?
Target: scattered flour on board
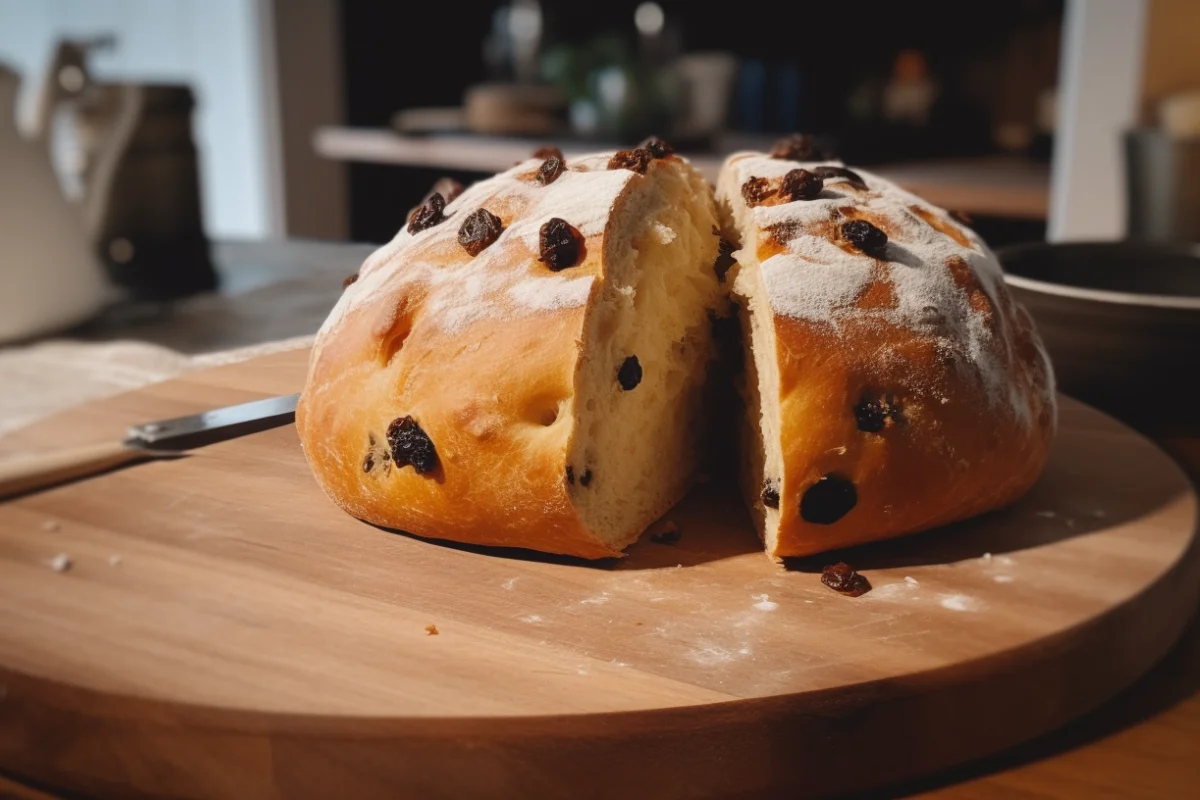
column 891, row 591
column 911, row 581
column 531, row 618
column 595, row 600
column 764, row 602
column 1003, row 579
column 960, row 602
column 509, row 584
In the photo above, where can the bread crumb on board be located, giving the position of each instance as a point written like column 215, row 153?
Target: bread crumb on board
column 61, row 562
column 432, row 630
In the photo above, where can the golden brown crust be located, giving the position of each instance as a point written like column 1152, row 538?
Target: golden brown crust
column 956, row 396
column 482, row 352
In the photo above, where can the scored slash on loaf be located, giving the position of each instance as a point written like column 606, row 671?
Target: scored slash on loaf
column 524, row 364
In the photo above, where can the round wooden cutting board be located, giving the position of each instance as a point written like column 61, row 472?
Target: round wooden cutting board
column 224, row 630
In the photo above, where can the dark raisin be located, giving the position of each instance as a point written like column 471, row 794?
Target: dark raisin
column 585, row 478
column 427, row 214
column 828, row 500
column 630, row 373
column 725, row 259
column 349, row 280
column 851, row 177
column 549, row 152
column 369, row 461
column 411, row 445
column 800, row 184
column 756, row 190
column 636, row 160
column 560, row 244
column 668, row 533
column 797, row 147
column 549, row 171
column 841, row 577
column 770, row 494
column 865, row 237
column 448, row 188
column 871, row 415
column 961, row 217
column 479, row 230
column 657, row 147
column 570, row 475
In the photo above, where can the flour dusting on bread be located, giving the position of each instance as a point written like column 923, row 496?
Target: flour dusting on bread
column 816, row 278
column 460, row 289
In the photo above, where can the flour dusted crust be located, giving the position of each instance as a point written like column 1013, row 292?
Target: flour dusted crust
column 483, row 352
column 923, row 340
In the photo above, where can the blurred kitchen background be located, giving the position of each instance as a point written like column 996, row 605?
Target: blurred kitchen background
column 153, row 150
column 327, row 118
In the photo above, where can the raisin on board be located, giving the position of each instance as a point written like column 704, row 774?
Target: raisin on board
column 800, row 184
column 411, row 445
column 427, row 214
column 828, row 500
column 479, row 230
column 549, row 171
column 630, row 373
column 865, row 237
column 657, row 147
column 756, row 190
column 842, row 578
column 637, row 160
column 559, row 244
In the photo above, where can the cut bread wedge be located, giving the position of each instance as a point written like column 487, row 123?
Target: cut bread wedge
column 892, row 384
column 524, row 365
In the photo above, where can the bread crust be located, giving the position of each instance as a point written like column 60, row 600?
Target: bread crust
column 966, row 397
column 483, row 353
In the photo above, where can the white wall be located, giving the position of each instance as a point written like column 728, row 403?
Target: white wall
column 212, row 45
column 1100, row 81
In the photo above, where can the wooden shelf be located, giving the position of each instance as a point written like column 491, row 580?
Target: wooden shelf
column 992, row 186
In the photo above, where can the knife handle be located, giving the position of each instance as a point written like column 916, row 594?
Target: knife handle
column 30, row 473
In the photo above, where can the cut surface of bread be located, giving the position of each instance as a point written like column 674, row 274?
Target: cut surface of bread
column 891, row 383
column 543, row 391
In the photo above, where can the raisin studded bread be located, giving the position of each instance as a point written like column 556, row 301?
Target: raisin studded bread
column 522, row 365
column 892, row 384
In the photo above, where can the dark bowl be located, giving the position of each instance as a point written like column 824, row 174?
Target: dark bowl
column 1121, row 321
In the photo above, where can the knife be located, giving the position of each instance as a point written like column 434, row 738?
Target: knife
column 168, row 438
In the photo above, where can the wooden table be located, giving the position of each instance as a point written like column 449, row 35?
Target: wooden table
column 1145, row 743
column 1007, row 187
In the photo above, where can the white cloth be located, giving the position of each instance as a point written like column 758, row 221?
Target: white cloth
column 42, row 379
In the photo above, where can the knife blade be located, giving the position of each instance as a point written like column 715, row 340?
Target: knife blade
column 168, row 438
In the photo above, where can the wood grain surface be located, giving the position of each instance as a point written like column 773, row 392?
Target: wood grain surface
column 225, row 631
